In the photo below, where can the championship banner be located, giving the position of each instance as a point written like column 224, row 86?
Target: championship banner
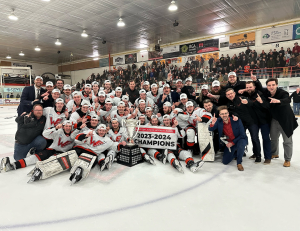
column 208, row 46
column 156, row 137
column 119, row 60
column 131, row 58
column 277, row 34
column 188, row 49
column 242, row 40
column 296, row 31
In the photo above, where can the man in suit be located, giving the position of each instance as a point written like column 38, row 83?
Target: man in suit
column 235, row 133
column 31, row 95
column 168, row 96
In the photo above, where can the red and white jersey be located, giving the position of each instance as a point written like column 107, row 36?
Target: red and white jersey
column 87, row 97
column 155, row 98
column 116, row 100
column 149, row 102
column 53, row 118
column 110, row 94
column 202, row 113
column 61, row 141
column 104, row 114
column 178, row 130
column 117, row 136
column 71, row 104
column 95, row 143
column 119, row 117
column 182, row 117
column 78, row 114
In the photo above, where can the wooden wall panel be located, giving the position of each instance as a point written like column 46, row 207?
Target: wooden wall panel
column 79, row 66
column 5, row 63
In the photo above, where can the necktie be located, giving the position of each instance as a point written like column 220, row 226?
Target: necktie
column 38, row 93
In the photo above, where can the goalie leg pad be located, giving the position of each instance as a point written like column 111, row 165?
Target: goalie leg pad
column 85, row 162
column 56, row 164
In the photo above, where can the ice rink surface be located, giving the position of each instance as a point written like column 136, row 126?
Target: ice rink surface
column 146, row 197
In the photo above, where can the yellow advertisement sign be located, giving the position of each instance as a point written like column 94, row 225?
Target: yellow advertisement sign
column 242, row 40
column 207, row 56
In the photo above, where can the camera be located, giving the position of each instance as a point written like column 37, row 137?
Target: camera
column 175, row 23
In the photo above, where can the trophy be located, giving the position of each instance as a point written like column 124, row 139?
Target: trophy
column 130, row 154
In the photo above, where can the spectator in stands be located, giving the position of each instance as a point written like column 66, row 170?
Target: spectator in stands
column 296, row 48
column 11, row 95
column 0, row 96
column 281, row 51
column 29, row 133
column 30, row 95
column 211, row 62
column 271, row 64
column 289, row 51
column 60, row 85
column 292, row 64
column 296, row 101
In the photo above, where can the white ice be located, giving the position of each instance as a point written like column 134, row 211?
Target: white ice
column 146, row 197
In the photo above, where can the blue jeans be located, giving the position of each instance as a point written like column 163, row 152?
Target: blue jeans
column 296, row 107
column 239, row 147
column 254, row 129
column 21, row 150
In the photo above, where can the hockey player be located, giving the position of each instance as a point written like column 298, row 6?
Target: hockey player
column 49, row 101
column 108, row 90
column 67, row 95
column 128, row 104
column 99, row 102
column 143, row 96
column 87, row 94
column 81, row 113
column 95, row 88
column 55, row 115
column 149, row 113
column 105, row 112
column 74, row 104
column 118, row 96
column 62, row 142
column 120, row 114
column 183, row 100
column 146, row 86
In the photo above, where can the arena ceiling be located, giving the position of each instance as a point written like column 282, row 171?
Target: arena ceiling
column 40, row 23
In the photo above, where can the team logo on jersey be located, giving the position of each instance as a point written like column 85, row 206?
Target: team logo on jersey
column 95, row 144
column 56, row 122
column 63, row 144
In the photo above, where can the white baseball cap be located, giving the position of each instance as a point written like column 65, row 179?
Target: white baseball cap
column 67, row 86
column 95, row 83
column 189, row 103
column 148, row 108
column 154, row 85
column 204, row 87
column 101, row 126
column 141, row 115
column 166, row 85
column 183, row 96
column 76, row 93
column 146, row 83
column 85, row 103
column 101, row 93
column 142, row 101
column 88, row 85
column 59, row 100
column 142, row 91
column 67, row 122
column 107, row 81
column 108, row 100
column 121, row 103
column 167, row 104
column 166, row 117
column 55, row 90
column 215, row 83
column 94, row 116
column 232, row 73
column 118, row 89
column 49, row 83
column 189, row 79
column 125, row 97
column 39, row 77
column 178, row 80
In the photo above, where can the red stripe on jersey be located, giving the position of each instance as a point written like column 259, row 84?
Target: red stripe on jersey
column 22, row 162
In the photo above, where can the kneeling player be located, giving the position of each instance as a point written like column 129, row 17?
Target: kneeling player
column 62, row 142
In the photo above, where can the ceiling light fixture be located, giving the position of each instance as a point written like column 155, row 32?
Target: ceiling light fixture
column 97, row 58
column 120, row 22
column 46, row 0
column 13, row 17
column 21, row 53
column 37, row 48
column 84, row 34
column 58, row 43
column 8, row 57
column 173, row 6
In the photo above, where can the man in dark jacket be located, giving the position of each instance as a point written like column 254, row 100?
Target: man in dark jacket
column 131, row 92
column 235, row 134
column 296, row 101
column 283, row 120
column 168, row 96
column 260, row 109
column 30, row 95
column 29, row 133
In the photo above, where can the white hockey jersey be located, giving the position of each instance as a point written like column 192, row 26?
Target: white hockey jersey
column 149, row 101
column 71, row 104
column 104, row 114
column 78, row 114
column 115, row 114
column 182, row 118
column 61, row 141
column 154, row 98
column 53, row 118
column 118, row 136
column 95, row 143
column 87, row 97
column 202, row 113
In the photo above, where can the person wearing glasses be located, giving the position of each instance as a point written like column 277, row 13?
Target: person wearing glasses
column 29, row 134
column 234, row 134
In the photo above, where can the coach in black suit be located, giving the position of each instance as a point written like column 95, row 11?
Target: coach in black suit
column 31, row 95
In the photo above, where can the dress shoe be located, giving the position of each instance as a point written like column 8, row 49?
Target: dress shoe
column 267, row 161
column 287, row 164
column 275, row 156
column 240, row 167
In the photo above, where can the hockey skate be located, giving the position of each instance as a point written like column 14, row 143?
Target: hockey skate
column 176, row 164
column 76, row 176
column 36, row 175
column 102, row 165
column 162, row 156
column 194, row 166
column 5, row 165
column 149, row 159
column 31, row 152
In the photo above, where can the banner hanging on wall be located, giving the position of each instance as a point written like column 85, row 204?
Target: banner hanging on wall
column 277, row 34
column 296, row 31
column 188, row 49
column 208, row 46
column 242, row 40
column 103, row 62
column 119, row 60
column 130, row 58
column 154, row 55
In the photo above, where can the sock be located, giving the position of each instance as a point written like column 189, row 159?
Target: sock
column 31, row 160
